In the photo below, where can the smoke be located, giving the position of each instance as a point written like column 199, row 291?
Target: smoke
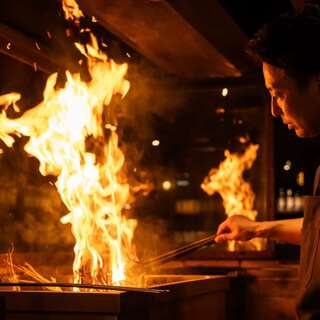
column 152, row 237
column 30, row 207
column 41, row 226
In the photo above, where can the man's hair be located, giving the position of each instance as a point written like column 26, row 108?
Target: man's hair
column 291, row 42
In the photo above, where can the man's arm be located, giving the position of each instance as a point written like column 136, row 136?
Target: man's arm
column 241, row 228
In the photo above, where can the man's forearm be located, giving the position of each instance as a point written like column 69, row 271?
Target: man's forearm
column 282, row 230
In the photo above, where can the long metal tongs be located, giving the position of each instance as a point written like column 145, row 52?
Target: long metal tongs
column 180, row 252
column 82, row 286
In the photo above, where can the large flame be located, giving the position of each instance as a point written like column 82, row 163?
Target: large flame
column 237, row 194
column 91, row 184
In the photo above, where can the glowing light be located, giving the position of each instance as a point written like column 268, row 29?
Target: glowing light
column 224, row 92
column 244, row 139
column 287, row 166
column 220, row 111
column 156, row 143
column 300, row 179
column 183, row 183
column 166, row 185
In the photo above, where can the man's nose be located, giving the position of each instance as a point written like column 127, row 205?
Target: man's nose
column 275, row 109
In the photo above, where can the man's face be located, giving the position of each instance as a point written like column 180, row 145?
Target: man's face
column 298, row 107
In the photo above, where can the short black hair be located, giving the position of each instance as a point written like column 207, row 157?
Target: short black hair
column 291, row 42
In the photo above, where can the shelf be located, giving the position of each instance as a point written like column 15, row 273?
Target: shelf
column 288, row 215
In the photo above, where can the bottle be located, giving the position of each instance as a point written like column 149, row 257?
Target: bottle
column 281, row 201
column 289, row 201
column 298, row 202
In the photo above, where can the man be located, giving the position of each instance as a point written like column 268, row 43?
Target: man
column 289, row 52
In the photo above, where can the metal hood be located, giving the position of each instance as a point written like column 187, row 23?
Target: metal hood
column 182, row 37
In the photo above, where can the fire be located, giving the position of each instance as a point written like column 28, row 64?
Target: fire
column 91, row 184
column 237, row 194
column 71, row 10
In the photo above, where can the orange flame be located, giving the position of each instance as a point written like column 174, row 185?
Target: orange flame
column 237, row 194
column 71, row 10
column 93, row 188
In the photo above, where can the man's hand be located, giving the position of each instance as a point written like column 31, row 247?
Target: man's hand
column 237, row 227
column 241, row 228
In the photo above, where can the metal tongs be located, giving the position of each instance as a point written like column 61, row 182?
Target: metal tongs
column 180, row 252
column 82, row 286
